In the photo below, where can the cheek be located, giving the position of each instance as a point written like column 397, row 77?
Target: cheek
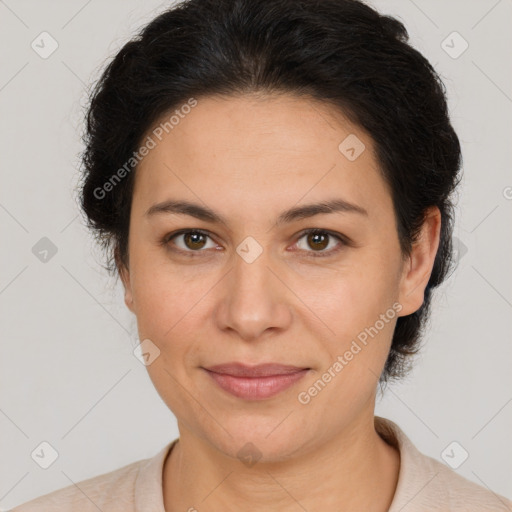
column 167, row 310
column 361, row 315
column 172, row 311
column 358, row 311
column 350, row 298
column 166, row 296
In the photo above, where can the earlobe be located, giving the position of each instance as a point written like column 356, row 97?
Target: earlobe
column 128, row 296
column 124, row 274
column 420, row 263
column 128, row 300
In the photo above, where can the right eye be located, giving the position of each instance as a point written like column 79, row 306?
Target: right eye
column 188, row 240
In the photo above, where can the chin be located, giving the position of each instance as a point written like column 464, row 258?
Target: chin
column 256, row 438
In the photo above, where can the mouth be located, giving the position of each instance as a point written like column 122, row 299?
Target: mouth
column 255, row 382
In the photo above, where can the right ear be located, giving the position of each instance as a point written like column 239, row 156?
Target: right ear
column 124, row 274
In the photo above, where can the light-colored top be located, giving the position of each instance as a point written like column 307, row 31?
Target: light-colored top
column 424, row 484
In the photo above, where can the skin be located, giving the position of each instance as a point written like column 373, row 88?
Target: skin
column 250, row 158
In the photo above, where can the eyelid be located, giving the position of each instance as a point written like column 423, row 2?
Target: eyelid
column 344, row 241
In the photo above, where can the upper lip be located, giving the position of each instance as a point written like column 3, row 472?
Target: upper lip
column 260, row 370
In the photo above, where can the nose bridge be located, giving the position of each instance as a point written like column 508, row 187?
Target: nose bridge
column 251, row 274
column 254, row 299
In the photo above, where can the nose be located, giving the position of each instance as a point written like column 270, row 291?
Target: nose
column 254, row 299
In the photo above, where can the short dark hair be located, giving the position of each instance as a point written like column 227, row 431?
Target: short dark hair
column 340, row 52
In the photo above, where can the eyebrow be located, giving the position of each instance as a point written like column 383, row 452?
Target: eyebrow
column 293, row 214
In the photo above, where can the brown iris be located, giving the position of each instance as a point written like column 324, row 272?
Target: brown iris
column 321, row 241
column 194, row 240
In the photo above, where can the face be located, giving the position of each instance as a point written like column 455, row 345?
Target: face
column 255, row 286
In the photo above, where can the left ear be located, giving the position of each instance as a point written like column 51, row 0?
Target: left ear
column 418, row 267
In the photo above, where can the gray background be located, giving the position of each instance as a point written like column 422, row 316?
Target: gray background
column 68, row 375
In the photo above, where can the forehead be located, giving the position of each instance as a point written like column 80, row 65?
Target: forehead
column 260, row 150
column 245, row 125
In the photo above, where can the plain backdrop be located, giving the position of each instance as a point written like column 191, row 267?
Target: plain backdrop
column 68, row 375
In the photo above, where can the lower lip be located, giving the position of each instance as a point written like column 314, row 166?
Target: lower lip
column 256, row 388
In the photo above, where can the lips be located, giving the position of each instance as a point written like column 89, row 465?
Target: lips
column 255, row 382
column 260, row 370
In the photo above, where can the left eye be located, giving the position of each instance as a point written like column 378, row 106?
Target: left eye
column 319, row 240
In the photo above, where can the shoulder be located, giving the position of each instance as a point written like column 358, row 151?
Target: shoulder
column 116, row 491
column 107, row 492
column 425, row 483
column 440, row 486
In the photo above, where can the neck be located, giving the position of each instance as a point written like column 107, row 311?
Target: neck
column 354, row 470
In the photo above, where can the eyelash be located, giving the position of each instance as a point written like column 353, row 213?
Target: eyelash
column 313, row 254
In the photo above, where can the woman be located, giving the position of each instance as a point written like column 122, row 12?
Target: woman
column 272, row 183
